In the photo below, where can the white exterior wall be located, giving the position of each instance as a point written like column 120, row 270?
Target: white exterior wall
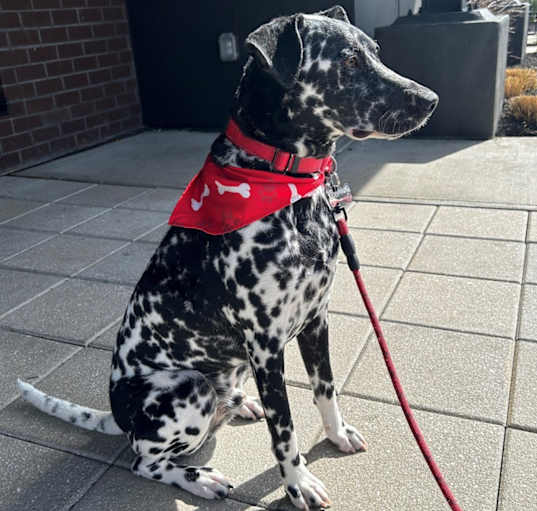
column 371, row 14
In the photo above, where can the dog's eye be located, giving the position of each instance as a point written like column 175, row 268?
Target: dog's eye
column 351, row 61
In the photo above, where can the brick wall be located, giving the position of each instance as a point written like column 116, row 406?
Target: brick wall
column 67, row 73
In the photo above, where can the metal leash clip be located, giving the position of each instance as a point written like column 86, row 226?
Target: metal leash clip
column 339, row 195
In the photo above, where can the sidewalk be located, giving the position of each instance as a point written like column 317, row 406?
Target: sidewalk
column 447, row 235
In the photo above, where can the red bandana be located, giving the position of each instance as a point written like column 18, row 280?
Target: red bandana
column 223, row 199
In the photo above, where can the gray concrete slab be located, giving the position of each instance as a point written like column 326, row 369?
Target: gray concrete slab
column 63, row 254
column 124, row 266
column 13, row 241
column 103, row 195
column 519, row 478
column 382, row 215
column 19, row 286
column 156, row 235
column 125, row 224
column 524, row 398
column 159, row 199
column 347, row 339
column 480, row 306
column 384, row 248
column 75, row 310
column 37, row 478
column 22, row 356
column 107, row 339
column 152, row 158
column 11, row 208
column 120, row 490
column 234, row 444
column 470, row 257
column 528, row 321
column 501, row 170
column 531, row 264
column 392, row 474
column 55, row 217
column 480, row 223
column 43, row 190
column 532, row 230
column 463, row 374
column 83, row 379
column 345, row 297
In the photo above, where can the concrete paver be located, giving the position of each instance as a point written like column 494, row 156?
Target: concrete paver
column 123, row 266
column 74, row 310
column 103, row 195
column 55, row 217
column 11, row 208
column 463, row 374
column 159, row 199
column 125, row 224
column 13, row 241
column 519, row 479
column 480, row 223
column 27, row 358
column 63, row 254
column 531, row 264
column 156, row 235
column 400, row 217
column 19, row 286
column 524, row 400
column 107, row 339
column 384, row 248
column 480, row 306
column 42, row 190
column 532, row 230
column 380, row 283
column 528, row 321
column 470, row 257
column 35, row 477
column 83, row 379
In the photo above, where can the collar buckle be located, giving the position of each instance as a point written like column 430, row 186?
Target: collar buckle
column 291, row 166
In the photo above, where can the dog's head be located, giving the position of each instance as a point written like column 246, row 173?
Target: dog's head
column 320, row 76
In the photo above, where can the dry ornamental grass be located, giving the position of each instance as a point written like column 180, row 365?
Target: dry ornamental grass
column 520, row 81
column 524, row 108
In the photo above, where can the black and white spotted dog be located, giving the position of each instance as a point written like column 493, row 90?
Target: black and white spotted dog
column 210, row 308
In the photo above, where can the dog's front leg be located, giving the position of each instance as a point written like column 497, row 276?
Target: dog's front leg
column 313, row 343
column 303, row 488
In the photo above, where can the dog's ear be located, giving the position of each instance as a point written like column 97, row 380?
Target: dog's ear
column 337, row 12
column 277, row 47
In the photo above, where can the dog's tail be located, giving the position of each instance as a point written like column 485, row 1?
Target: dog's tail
column 87, row 418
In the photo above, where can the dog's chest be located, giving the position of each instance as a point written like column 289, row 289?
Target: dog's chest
column 284, row 268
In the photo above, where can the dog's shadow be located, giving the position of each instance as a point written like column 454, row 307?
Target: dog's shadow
column 264, row 484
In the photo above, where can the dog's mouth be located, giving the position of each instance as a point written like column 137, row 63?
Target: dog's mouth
column 361, row 133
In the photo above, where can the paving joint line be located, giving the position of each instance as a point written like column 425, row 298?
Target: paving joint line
column 514, row 363
column 423, row 408
column 475, row 204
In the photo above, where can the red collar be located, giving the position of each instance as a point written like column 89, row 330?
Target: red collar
column 281, row 161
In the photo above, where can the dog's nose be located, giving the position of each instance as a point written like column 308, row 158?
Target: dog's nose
column 426, row 101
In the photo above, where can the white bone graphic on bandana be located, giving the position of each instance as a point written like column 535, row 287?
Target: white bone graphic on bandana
column 242, row 189
column 196, row 205
column 294, row 193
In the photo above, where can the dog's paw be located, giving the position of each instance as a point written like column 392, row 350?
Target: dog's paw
column 206, row 482
column 306, row 491
column 348, row 439
column 250, row 409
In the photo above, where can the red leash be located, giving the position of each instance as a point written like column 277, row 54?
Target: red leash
column 347, row 245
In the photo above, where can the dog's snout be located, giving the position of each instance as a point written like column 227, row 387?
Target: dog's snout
column 424, row 100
